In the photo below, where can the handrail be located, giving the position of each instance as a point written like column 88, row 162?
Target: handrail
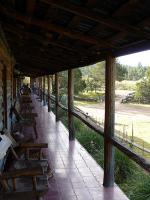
column 98, row 129
column 85, row 119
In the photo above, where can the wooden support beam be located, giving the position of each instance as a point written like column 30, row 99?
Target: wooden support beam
column 43, row 91
column 40, row 88
column 5, row 93
column 14, row 87
column 70, row 104
column 44, row 40
column 87, row 13
column 125, row 7
column 30, row 7
column 52, row 27
column 109, row 121
column 49, row 92
column 57, row 96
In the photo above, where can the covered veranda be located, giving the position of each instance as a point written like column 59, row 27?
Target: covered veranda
column 41, row 38
column 76, row 175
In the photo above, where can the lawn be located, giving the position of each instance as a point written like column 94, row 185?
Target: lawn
column 132, row 121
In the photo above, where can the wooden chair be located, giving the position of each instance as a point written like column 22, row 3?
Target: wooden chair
column 29, row 180
column 27, row 154
column 23, row 120
column 23, row 184
column 30, row 155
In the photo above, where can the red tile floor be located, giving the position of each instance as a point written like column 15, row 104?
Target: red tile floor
column 76, row 173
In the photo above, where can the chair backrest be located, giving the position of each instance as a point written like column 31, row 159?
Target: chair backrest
column 5, row 144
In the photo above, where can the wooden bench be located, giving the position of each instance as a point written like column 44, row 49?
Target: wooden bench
column 29, row 180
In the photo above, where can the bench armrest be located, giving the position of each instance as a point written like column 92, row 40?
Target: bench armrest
column 31, row 172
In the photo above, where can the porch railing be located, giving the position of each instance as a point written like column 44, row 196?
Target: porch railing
column 91, row 123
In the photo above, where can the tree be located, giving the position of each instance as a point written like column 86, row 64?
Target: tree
column 79, row 83
column 121, row 71
column 142, row 94
column 96, row 77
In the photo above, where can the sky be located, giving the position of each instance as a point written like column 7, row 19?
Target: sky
column 133, row 59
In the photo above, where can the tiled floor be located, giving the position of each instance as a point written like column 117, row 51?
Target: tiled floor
column 76, row 174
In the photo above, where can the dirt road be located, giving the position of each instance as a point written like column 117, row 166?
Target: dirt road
column 125, row 114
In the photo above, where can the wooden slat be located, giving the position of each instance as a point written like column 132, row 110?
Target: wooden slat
column 22, row 172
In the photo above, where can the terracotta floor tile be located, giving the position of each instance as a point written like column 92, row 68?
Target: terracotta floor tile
column 76, row 175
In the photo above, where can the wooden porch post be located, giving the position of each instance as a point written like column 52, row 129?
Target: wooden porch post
column 44, row 100
column 57, row 95
column 109, row 121
column 14, row 87
column 40, row 88
column 49, row 93
column 70, row 104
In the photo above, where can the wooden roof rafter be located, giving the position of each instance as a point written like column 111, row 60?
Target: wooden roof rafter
column 86, row 13
column 73, row 33
column 45, row 40
column 125, row 7
column 51, row 27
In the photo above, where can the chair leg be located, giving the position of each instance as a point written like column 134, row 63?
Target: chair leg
column 35, row 131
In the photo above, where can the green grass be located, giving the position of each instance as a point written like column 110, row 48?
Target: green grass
column 141, row 126
column 91, row 94
column 84, row 103
column 123, row 123
column 140, row 105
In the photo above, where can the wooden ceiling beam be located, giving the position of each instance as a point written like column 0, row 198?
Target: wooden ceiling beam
column 43, row 61
column 50, row 70
column 43, row 64
column 91, row 3
column 114, row 39
column 125, row 7
column 51, row 27
column 87, row 13
column 41, row 52
column 44, row 40
column 32, row 70
column 30, row 7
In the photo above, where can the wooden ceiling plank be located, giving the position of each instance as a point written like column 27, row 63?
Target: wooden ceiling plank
column 43, row 40
column 30, row 6
column 86, row 13
column 125, row 7
column 51, row 27
column 91, row 3
column 114, row 39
